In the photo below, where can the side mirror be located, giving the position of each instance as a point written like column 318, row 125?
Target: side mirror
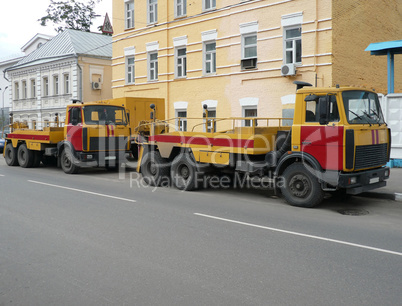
column 323, row 109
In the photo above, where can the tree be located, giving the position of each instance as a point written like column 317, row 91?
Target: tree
column 70, row 14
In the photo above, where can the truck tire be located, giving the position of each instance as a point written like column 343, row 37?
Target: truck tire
column 300, row 187
column 25, row 156
column 183, row 172
column 67, row 162
column 10, row 155
column 37, row 158
column 155, row 169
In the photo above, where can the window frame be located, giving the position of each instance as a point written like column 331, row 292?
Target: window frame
column 181, row 125
column 152, row 8
column 249, row 122
column 129, row 20
column 182, row 6
column 212, row 60
column 152, row 69
column 180, row 68
column 66, row 83
column 130, row 70
column 33, row 88
column 294, row 46
column 16, row 90
column 24, row 89
column 45, row 90
column 56, row 89
column 210, row 3
column 243, row 45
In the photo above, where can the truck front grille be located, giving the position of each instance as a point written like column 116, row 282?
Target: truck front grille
column 371, row 156
column 107, row 143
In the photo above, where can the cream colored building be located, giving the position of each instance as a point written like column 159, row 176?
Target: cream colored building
column 74, row 65
column 241, row 57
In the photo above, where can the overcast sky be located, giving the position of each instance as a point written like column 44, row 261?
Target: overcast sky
column 18, row 23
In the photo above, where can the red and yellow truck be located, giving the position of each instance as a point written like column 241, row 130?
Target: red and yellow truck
column 94, row 134
column 338, row 141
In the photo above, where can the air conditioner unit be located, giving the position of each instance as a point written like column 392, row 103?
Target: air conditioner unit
column 96, row 85
column 288, row 69
column 248, row 63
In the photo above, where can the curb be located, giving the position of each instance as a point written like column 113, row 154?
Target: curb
column 387, row 196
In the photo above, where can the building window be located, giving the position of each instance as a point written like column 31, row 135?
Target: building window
column 249, row 44
column 210, row 57
column 292, row 45
column 130, row 70
column 16, row 91
column 181, row 62
column 45, row 86
column 24, row 89
column 33, row 88
column 55, row 85
column 180, row 8
column 211, row 123
column 129, row 11
column 209, row 4
column 181, row 120
column 153, row 66
column 66, row 84
column 249, row 112
column 152, row 11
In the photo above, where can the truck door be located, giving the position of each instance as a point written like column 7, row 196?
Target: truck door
column 74, row 127
column 323, row 142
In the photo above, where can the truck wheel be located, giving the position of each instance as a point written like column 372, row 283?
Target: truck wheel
column 67, row 162
column 11, row 155
column 184, row 172
column 37, row 158
column 25, row 156
column 155, row 169
column 300, row 187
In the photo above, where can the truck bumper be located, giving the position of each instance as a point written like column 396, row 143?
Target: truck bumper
column 99, row 159
column 358, row 182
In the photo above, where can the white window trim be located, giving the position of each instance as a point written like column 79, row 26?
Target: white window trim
column 24, row 89
column 180, row 41
column 56, row 85
column 66, row 89
column 209, row 35
column 179, row 107
column 248, row 27
column 32, row 88
column 152, row 46
column 292, row 19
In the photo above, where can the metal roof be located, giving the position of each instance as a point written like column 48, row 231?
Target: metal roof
column 70, row 43
column 382, row 48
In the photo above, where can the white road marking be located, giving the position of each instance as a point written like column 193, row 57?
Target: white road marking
column 302, row 235
column 2, row 175
column 84, row 191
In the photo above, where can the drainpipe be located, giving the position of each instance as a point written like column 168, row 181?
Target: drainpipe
column 79, row 83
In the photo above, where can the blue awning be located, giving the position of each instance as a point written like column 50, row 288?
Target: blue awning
column 382, row 48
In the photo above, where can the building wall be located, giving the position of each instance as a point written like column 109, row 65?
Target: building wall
column 231, row 88
column 356, row 24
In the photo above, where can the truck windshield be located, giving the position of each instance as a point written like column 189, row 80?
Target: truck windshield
column 104, row 114
column 362, row 107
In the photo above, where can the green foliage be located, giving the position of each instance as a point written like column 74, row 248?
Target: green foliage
column 70, row 14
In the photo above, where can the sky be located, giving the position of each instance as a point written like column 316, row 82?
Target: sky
column 18, row 23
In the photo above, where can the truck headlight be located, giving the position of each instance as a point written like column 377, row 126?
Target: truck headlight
column 352, row 180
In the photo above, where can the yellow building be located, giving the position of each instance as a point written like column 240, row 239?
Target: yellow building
column 241, row 57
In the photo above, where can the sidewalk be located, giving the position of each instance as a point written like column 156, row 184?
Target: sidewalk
column 393, row 190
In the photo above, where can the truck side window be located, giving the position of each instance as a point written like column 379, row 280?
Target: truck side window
column 311, row 111
column 74, row 116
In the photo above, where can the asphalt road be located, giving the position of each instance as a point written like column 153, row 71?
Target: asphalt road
column 102, row 238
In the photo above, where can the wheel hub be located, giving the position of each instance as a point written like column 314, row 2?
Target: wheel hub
column 299, row 185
